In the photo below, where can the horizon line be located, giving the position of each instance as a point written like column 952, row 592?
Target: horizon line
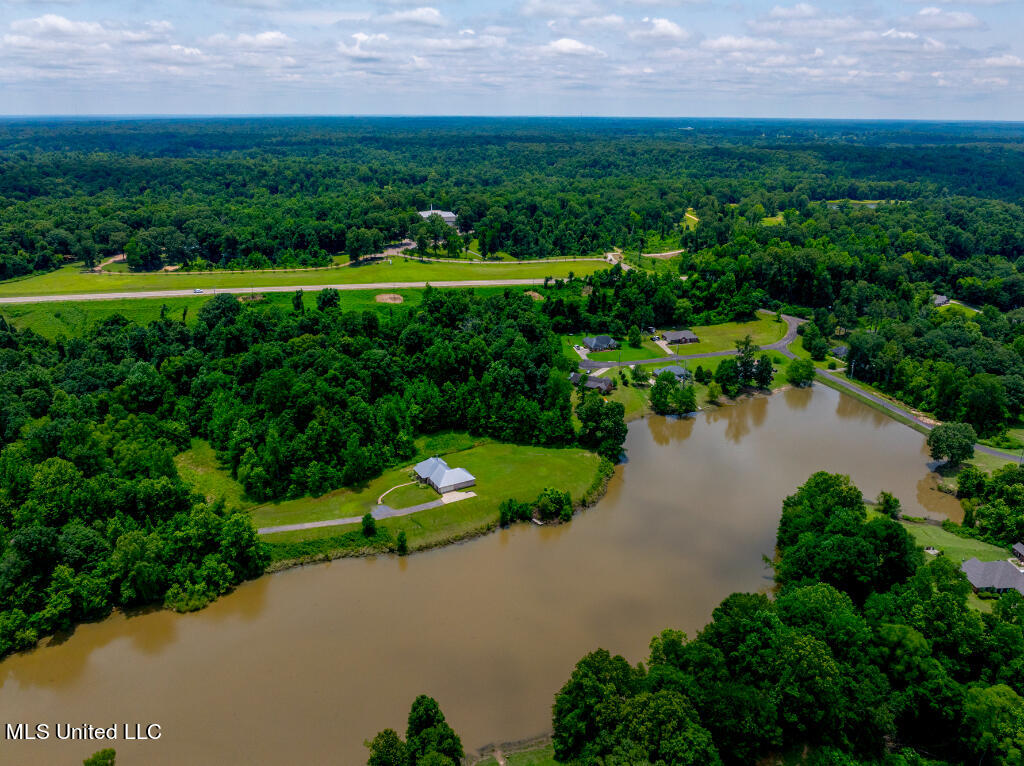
column 398, row 115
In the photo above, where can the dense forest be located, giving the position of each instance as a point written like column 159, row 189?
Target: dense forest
column 865, row 656
column 292, row 192
column 93, row 513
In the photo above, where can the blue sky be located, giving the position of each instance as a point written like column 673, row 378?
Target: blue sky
column 933, row 59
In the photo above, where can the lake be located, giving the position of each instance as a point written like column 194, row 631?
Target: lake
column 304, row 665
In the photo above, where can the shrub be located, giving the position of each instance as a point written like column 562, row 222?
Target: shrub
column 369, row 525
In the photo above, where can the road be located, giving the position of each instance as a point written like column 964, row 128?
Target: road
column 267, row 289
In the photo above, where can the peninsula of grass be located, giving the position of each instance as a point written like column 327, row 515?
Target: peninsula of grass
column 502, row 471
column 957, row 548
column 71, row 280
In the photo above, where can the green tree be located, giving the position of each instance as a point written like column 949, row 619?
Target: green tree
column 428, row 732
column 402, row 543
column 387, row 749
column 105, row 757
column 800, row 372
column 369, row 525
column 661, row 393
column 953, row 442
column 764, row 372
column 633, row 337
column 297, row 304
column 746, row 365
column 639, row 375
column 889, row 504
column 327, row 298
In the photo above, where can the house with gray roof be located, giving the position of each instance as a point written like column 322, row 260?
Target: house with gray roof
column 604, row 385
column 1018, row 551
column 436, row 472
column 993, row 576
column 446, row 215
column 675, row 337
column 600, row 343
column 682, row 374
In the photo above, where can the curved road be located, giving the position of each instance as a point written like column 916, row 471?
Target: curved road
column 268, row 289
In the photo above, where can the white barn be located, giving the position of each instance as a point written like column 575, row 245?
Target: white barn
column 436, row 472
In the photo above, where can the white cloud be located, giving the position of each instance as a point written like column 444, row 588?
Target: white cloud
column 426, row 16
column 798, row 11
column 1006, row 60
column 567, row 46
column 936, row 18
column 660, row 29
column 358, row 52
column 609, row 21
column 268, row 39
column 732, row 43
column 561, row 9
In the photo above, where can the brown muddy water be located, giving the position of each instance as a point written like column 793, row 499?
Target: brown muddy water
column 302, row 666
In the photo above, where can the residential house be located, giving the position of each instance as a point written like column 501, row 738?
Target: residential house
column 675, row 337
column 600, row 343
column 993, row 576
column 1018, row 551
column 435, row 472
column 940, row 300
column 604, row 385
column 682, row 374
column 446, row 215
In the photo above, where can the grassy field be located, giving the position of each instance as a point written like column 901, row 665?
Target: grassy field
column 690, row 220
column 797, row 348
column 70, row 279
column 73, row 318
column 722, row 337
column 637, row 401
column 502, row 471
column 957, row 548
column 199, row 468
column 773, row 220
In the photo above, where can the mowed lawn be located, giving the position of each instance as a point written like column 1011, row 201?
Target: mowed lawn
column 722, row 337
column 200, row 469
column 957, row 548
column 625, row 353
column 540, row 756
column 502, row 471
column 74, row 318
column 70, row 279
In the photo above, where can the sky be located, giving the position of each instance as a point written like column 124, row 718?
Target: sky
column 901, row 59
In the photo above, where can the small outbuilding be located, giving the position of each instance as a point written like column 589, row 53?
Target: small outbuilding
column 675, row 337
column 839, row 352
column 600, row 343
column 939, row 300
column 682, row 374
column 1018, row 551
column 993, row 576
column 436, row 472
column 604, row 385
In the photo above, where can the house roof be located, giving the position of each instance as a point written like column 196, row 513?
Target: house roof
column 940, row 300
column 437, row 472
column 598, row 341
column 839, row 351
column 999, row 575
column 675, row 369
column 593, row 381
column 446, row 214
column 672, row 335
column 1018, row 551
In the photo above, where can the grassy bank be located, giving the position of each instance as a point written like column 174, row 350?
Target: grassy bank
column 955, row 547
column 70, row 279
column 722, row 337
column 502, row 471
column 200, row 469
